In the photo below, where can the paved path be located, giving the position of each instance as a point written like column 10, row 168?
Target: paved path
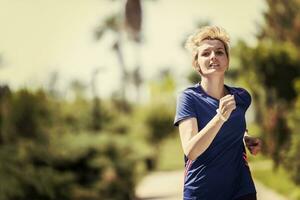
column 168, row 186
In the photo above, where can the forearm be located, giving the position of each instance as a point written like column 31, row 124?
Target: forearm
column 201, row 141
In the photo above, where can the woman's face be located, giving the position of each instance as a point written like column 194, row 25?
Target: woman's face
column 212, row 58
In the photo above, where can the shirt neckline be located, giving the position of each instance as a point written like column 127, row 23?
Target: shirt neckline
column 207, row 95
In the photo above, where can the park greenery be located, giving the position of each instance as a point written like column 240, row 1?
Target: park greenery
column 92, row 148
column 53, row 149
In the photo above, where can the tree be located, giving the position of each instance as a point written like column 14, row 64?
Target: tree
column 132, row 25
column 282, row 21
column 5, row 98
column 270, row 70
column 97, row 112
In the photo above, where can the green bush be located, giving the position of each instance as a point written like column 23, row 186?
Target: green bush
column 22, row 179
column 159, row 119
column 292, row 162
column 104, row 166
column 52, row 149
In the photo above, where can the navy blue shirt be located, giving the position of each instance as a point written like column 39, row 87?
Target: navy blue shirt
column 221, row 172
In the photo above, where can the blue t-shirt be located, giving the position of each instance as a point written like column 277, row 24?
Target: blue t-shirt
column 221, row 172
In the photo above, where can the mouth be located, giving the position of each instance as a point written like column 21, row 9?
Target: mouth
column 214, row 65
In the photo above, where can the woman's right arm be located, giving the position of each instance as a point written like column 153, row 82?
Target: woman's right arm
column 194, row 143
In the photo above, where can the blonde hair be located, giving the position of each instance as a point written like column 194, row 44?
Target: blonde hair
column 207, row 33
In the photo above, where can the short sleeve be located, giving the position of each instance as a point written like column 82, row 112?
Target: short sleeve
column 246, row 97
column 249, row 99
column 185, row 107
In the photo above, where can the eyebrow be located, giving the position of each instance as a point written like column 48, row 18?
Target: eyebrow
column 222, row 48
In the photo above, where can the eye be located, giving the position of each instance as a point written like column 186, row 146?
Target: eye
column 205, row 54
column 219, row 52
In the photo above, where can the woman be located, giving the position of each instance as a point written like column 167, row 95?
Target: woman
column 212, row 126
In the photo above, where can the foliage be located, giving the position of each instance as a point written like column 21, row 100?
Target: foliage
column 49, row 151
column 282, row 21
column 24, row 115
column 277, row 180
column 159, row 114
column 23, row 176
column 194, row 77
column 263, row 65
column 52, row 148
column 159, row 120
column 292, row 162
column 171, row 154
column 271, row 71
column 103, row 165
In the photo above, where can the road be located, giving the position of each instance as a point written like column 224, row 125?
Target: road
column 168, row 186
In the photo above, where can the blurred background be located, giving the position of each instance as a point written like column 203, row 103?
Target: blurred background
column 88, row 91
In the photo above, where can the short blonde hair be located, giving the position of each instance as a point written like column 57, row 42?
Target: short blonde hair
column 207, row 33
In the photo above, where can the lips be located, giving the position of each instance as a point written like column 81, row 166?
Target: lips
column 214, row 65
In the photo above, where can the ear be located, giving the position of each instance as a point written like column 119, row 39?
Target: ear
column 197, row 67
column 196, row 64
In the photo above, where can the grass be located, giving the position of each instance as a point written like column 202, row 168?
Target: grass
column 171, row 154
column 278, row 180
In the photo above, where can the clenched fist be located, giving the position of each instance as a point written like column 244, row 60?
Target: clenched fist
column 253, row 144
column 226, row 106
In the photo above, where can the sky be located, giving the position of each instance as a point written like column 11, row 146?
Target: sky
column 40, row 37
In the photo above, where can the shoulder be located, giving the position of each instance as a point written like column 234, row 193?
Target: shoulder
column 242, row 94
column 188, row 93
column 240, row 91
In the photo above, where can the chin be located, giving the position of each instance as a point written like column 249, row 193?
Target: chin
column 212, row 72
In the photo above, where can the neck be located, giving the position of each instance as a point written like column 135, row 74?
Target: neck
column 214, row 87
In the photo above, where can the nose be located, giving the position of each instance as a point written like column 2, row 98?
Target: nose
column 212, row 55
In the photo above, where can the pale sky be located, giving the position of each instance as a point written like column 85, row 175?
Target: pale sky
column 38, row 37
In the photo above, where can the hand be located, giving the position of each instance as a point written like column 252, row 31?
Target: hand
column 226, row 106
column 253, row 144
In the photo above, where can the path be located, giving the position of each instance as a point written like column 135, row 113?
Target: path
column 168, row 186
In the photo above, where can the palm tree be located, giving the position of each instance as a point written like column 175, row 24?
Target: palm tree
column 133, row 19
column 131, row 24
